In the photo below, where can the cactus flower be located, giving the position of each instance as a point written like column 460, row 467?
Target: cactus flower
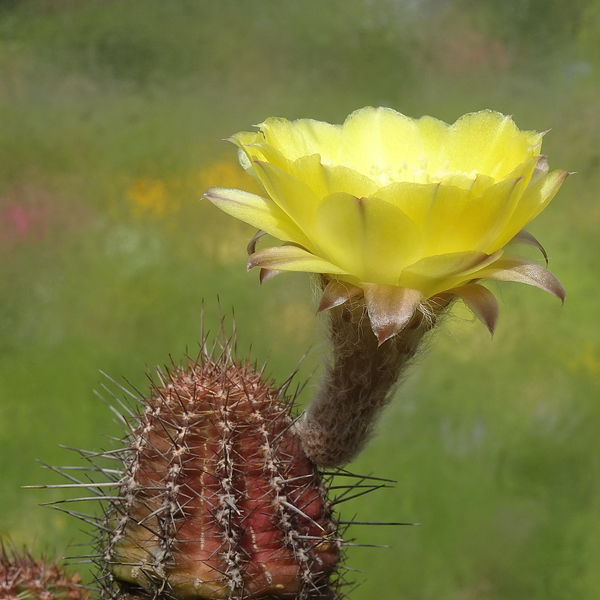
column 396, row 210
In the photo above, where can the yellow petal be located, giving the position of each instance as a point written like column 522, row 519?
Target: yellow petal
column 533, row 167
column 247, row 153
column 325, row 179
column 413, row 199
column 259, row 212
column 485, row 218
column 302, row 137
column 453, row 219
column 367, row 237
column 441, row 230
column 489, row 142
column 434, row 274
column 261, row 151
column 292, row 258
column 459, row 221
column 535, row 198
column 291, row 194
column 434, row 134
column 346, row 180
column 380, row 136
column 245, row 138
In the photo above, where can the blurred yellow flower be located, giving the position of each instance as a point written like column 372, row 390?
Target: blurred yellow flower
column 397, row 209
column 149, row 196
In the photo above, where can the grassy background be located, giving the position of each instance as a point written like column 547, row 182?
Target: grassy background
column 112, row 118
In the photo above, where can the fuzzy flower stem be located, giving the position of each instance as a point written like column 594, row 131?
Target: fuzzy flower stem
column 359, row 380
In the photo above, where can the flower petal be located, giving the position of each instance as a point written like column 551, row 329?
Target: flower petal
column 481, row 301
column 458, row 220
column 434, row 274
column 292, row 258
column 368, row 237
column 390, row 308
column 292, row 195
column 490, row 143
column 413, row 199
column 535, row 198
column 302, row 137
column 453, row 218
column 337, row 292
column 338, row 178
column 541, row 169
column 246, row 141
column 257, row 211
column 524, row 270
column 434, row 134
column 379, row 137
column 261, row 151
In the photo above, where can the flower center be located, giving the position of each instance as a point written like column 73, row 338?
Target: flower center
column 406, row 172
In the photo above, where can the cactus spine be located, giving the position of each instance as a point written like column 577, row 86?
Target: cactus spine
column 24, row 578
column 215, row 498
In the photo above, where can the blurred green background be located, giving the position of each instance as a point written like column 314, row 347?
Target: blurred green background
column 113, row 114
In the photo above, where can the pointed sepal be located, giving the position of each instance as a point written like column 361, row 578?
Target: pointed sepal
column 266, row 274
column 292, row 258
column 390, row 308
column 524, row 270
column 336, row 293
column 251, row 247
column 481, row 301
column 524, row 237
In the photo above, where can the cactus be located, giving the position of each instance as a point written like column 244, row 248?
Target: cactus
column 216, row 498
column 24, row 578
column 213, row 496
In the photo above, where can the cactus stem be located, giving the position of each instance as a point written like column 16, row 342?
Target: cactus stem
column 360, row 379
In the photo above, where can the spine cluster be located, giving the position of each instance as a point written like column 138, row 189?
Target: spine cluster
column 217, row 499
column 24, row 578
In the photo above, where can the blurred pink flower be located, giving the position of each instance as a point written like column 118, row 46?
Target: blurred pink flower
column 24, row 214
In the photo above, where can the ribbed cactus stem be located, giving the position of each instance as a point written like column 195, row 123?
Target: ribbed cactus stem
column 217, row 498
column 359, row 380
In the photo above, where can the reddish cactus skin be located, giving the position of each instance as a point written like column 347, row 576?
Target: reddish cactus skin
column 217, row 498
column 24, row 578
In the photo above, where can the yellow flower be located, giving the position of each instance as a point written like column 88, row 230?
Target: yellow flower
column 397, row 209
column 149, row 196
